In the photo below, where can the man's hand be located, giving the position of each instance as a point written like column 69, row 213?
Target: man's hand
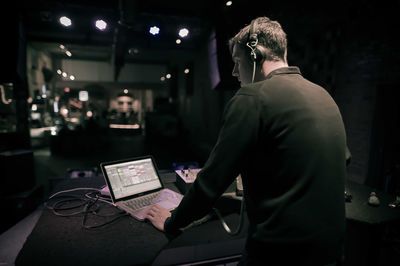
column 157, row 216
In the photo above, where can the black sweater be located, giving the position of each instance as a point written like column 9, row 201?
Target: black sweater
column 286, row 138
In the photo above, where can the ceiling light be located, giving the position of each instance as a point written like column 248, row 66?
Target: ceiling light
column 186, row 71
column 68, row 53
column 168, row 76
column 101, row 24
column 72, row 77
column 178, row 41
column 228, row 3
column 183, row 32
column 162, row 78
column 59, row 72
column 62, row 47
column 64, row 74
column 133, row 51
column 65, row 21
column 154, row 30
column 126, row 91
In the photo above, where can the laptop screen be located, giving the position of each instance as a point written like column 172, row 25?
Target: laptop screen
column 131, row 177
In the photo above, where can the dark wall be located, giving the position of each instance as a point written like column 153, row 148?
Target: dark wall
column 351, row 49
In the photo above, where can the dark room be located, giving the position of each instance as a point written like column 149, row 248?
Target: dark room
column 207, row 132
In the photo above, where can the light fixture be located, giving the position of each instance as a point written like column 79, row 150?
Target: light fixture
column 133, row 51
column 83, row 96
column 168, row 76
column 65, row 21
column 64, row 74
column 72, row 77
column 183, row 32
column 101, row 24
column 59, row 72
column 162, row 78
column 62, row 47
column 68, row 53
column 126, row 91
column 154, row 30
column 186, row 71
column 228, row 3
column 178, row 41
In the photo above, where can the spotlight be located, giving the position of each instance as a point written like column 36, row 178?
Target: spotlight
column 178, row 41
column 72, row 77
column 59, row 72
column 183, row 32
column 228, row 3
column 64, row 74
column 168, row 76
column 65, row 21
column 101, row 24
column 126, row 91
column 186, row 71
column 62, row 47
column 162, row 78
column 68, row 53
column 154, row 30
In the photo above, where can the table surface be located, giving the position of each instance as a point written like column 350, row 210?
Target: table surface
column 360, row 211
column 59, row 240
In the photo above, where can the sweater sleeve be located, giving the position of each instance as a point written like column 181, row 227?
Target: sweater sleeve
column 239, row 132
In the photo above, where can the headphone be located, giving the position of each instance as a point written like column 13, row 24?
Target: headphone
column 256, row 55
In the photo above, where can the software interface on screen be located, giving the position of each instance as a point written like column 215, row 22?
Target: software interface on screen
column 129, row 178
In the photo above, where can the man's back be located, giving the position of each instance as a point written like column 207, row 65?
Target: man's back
column 294, row 172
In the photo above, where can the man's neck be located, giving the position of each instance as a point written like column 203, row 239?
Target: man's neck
column 269, row 66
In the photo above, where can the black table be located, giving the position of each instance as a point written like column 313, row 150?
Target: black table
column 59, row 240
column 366, row 225
column 63, row 241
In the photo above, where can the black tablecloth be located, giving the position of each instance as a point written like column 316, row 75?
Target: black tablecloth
column 59, row 240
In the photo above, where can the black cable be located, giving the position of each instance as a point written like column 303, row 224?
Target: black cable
column 87, row 201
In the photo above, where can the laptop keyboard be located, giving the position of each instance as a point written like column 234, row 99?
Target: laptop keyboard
column 141, row 202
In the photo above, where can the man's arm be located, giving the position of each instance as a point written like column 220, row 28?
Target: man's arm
column 237, row 136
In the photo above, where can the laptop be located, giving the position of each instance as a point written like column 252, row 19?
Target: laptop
column 135, row 186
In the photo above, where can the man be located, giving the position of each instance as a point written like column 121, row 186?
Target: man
column 286, row 138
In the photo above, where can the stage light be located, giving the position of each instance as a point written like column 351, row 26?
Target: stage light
column 162, row 78
column 59, row 72
column 72, row 77
column 89, row 113
column 168, row 76
column 65, row 21
column 66, row 89
column 154, row 30
column 101, row 24
column 183, row 32
column 34, row 107
column 228, row 3
column 126, row 91
column 62, row 47
column 178, row 41
column 83, row 96
column 186, row 71
column 68, row 53
column 133, row 51
column 64, row 74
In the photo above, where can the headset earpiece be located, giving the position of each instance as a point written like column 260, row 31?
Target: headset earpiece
column 255, row 54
